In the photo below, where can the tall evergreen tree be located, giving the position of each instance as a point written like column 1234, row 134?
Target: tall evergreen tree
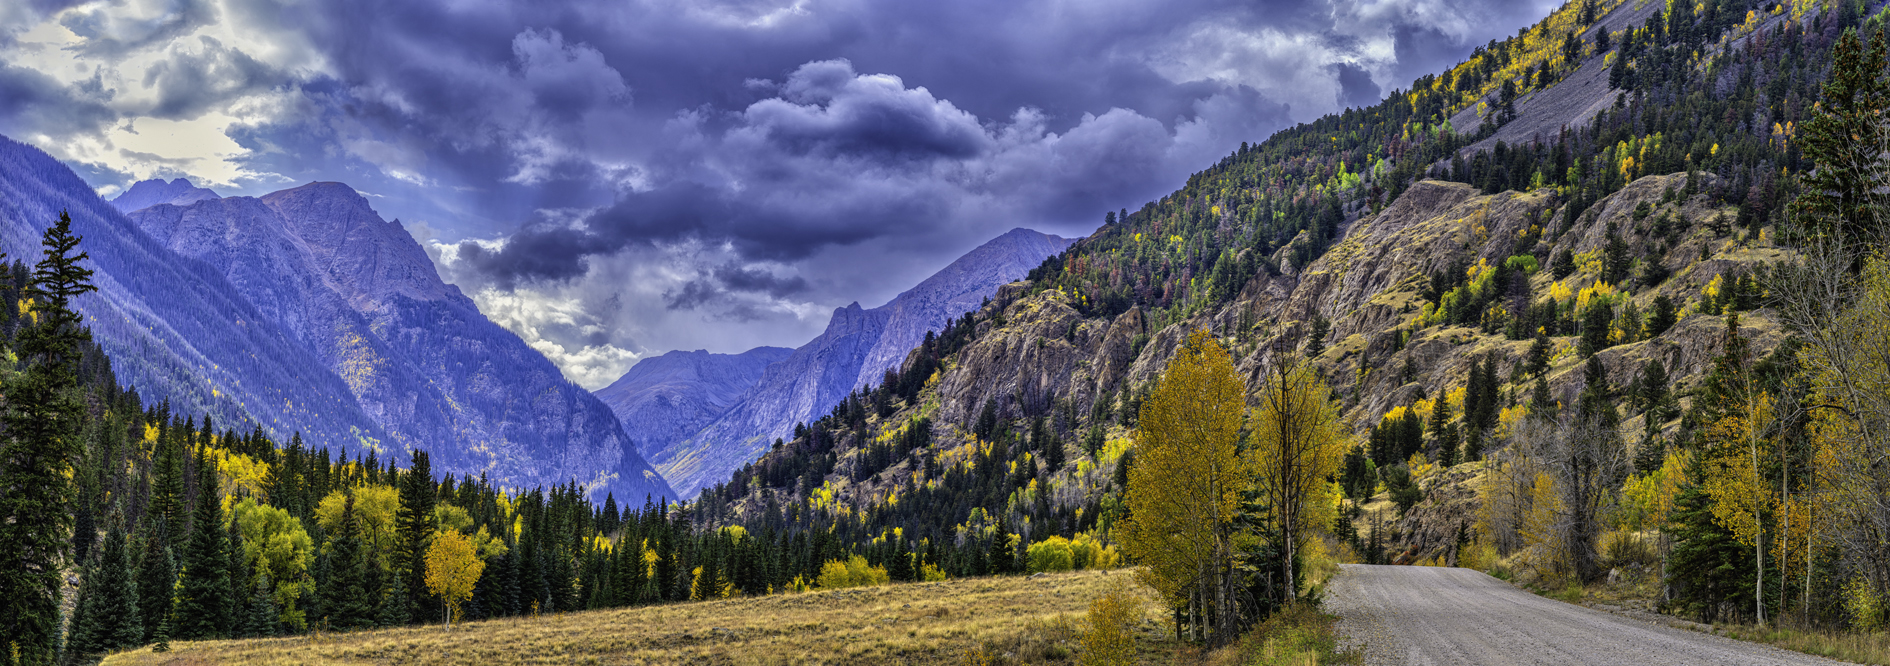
column 115, row 596
column 415, row 523
column 204, row 592
column 1845, row 138
column 41, row 446
column 346, row 599
column 157, row 577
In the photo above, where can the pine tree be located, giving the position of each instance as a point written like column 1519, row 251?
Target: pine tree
column 1662, row 318
column 115, row 596
column 240, row 583
column 394, row 603
column 203, row 593
column 261, row 619
column 157, row 577
column 346, row 599
column 415, row 523
column 41, row 447
column 1444, row 435
column 1844, row 138
column 1707, row 566
column 82, row 636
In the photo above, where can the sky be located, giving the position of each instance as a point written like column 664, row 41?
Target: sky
column 616, row 179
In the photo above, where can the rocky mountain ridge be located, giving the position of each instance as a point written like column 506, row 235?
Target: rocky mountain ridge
column 417, row 355
column 669, row 397
column 858, row 346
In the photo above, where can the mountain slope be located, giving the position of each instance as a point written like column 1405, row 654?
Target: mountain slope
column 419, row 359
column 175, row 328
column 668, row 398
column 1393, row 250
column 857, row 347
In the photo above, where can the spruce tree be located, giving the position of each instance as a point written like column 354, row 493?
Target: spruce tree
column 415, row 525
column 346, row 599
column 41, row 446
column 394, row 603
column 157, row 578
column 203, row 593
column 261, row 620
column 82, row 633
column 240, row 583
column 115, row 596
column 1843, row 137
column 1444, row 436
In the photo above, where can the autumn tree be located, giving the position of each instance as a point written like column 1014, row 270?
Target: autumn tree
column 1185, row 488
column 453, row 568
column 1298, row 443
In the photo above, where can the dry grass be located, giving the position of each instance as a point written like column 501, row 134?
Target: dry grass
column 1872, row 648
column 1005, row 620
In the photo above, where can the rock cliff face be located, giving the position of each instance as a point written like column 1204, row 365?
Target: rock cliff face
column 417, row 356
column 1034, row 351
column 857, row 348
column 666, row 399
column 148, row 193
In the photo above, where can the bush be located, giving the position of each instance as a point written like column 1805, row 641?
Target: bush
column 1052, row 554
column 854, row 572
column 1109, row 639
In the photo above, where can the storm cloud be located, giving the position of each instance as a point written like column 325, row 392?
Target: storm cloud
column 613, row 179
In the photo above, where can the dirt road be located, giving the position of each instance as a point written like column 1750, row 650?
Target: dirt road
column 1436, row 616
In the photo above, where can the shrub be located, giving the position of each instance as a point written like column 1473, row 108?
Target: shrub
column 1109, row 639
column 854, row 572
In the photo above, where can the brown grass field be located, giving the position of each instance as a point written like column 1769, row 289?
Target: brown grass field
column 1012, row 620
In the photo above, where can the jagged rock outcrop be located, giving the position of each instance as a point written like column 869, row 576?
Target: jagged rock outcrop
column 857, row 348
column 416, row 355
column 667, row 398
column 148, row 193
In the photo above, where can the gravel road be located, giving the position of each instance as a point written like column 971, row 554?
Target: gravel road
column 1434, row 616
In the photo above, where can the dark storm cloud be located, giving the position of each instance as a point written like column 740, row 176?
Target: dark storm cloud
column 33, row 102
column 730, row 279
column 650, row 161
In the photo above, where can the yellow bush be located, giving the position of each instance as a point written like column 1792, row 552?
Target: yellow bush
column 1109, row 639
column 1052, row 554
column 854, row 572
column 930, row 573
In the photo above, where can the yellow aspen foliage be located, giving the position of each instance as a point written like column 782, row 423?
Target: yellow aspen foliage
column 1740, row 495
column 1299, row 441
column 374, row 507
column 1543, row 532
column 1109, row 640
column 453, row 568
column 1647, row 500
column 1184, row 490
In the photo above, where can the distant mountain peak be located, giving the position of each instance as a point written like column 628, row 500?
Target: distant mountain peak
column 147, row 193
column 856, row 349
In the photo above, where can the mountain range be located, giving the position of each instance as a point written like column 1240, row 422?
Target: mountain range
column 307, row 314
column 678, row 416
